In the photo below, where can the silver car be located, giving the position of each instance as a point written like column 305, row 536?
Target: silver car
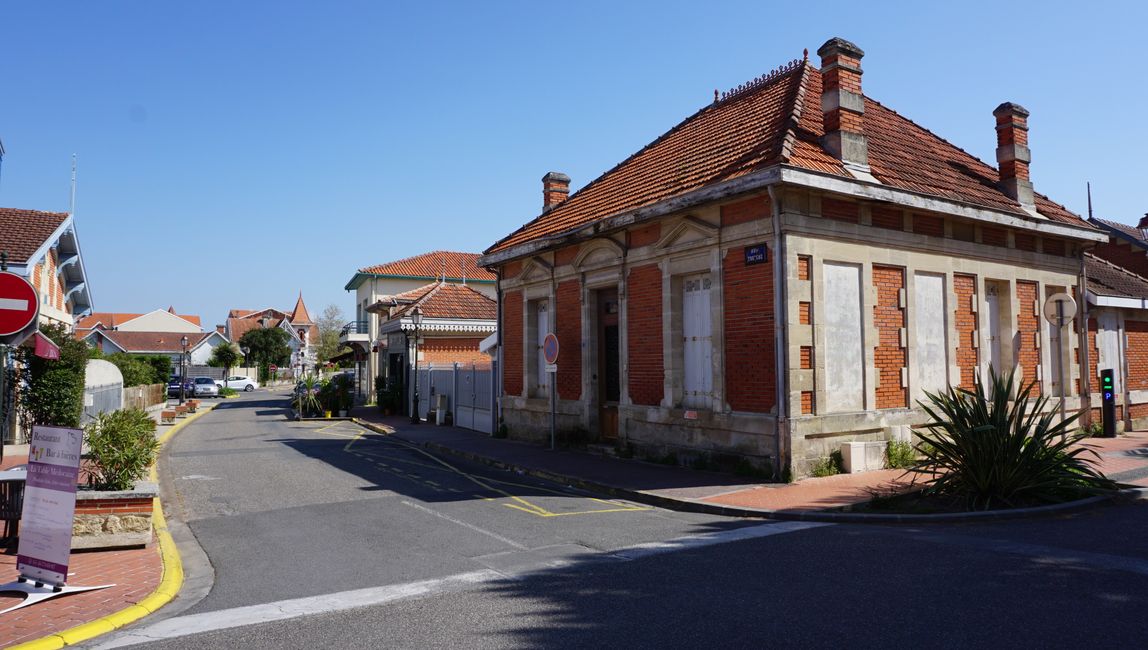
column 204, row 387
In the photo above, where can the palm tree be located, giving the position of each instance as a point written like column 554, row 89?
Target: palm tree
column 225, row 356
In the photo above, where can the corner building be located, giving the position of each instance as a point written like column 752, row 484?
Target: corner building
column 790, row 268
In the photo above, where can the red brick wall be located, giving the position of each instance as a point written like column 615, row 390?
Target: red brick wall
column 1028, row 325
column 924, row 224
column 1137, row 354
column 1053, row 246
column 645, row 235
column 994, row 236
column 1093, row 357
column 644, row 335
column 512, row 269
column 568, row 328
column 451, row 350
column 803, row 264
column 565, row 256
column 889, row 318
column 806, row 402
column 840, row 210
column 887, row 218
column 745, row 211
column 1132, row 258
column 1138, row 411
column 512, row 343
column 965, row 286
column 750, row 367
column 1024, row 241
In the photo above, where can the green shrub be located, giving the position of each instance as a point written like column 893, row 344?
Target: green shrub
column 135, row 370
column 830, row 465
column 986, row 449
column 1094, row 430
column 122, row 446
column 899, row 455
column 53, row 393
column 228, row 392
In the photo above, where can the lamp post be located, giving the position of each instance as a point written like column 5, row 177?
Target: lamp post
column 182, row 369
column 417, row 319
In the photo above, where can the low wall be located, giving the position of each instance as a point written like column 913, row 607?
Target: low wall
column 114, row 519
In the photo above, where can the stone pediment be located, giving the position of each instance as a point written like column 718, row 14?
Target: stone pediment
column 535, row 270
column 599, row 253
column 688, row 230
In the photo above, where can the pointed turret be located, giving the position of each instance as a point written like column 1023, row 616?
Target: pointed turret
column 300, row 314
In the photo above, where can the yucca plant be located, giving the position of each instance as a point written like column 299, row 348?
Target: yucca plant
column 987, row 448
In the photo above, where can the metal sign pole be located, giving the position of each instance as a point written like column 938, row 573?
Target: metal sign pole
column 553, row 410
column 1060, row 338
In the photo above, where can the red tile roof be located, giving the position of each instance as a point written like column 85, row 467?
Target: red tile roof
column 1108, row 279
column 300, row 316
column 23, row 232
column 778, row 121
column 447, row 300
column 1132, row 233
column 457, row 266
column 161, row 342
column 113, row 319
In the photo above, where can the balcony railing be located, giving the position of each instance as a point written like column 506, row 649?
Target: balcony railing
column 355, row 327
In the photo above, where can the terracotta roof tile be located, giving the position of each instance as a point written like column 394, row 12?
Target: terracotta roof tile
column 23, row 232
column 162, row 342
column 448, row 301
column 1108, row 279
column 431, row 266
column 778, row 121
column 1131, row 232
column 115, row 319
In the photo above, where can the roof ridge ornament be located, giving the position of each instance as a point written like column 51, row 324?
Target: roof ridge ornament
column 760, row 81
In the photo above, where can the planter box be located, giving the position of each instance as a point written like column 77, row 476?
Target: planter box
column 106, row 520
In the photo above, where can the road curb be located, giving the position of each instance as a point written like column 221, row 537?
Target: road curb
column 168, row 588
column 821, row 516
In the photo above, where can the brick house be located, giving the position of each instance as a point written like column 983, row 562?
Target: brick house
column 455, row 319
column 379, row 282
column 44, row 248
column 788, row 269
column 1117, row 295
column 303, row 333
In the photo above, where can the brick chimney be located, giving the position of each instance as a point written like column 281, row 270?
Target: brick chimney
column 1012, row 153
column 555, row 189
column 1143, row 226
column 842, row 104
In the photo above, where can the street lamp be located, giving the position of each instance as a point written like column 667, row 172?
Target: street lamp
column 417, row 319
column 182, row 369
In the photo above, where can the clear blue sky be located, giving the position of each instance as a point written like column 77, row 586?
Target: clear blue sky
column 232, row 154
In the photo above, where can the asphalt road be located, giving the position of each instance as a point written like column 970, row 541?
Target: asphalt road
column 328, row 535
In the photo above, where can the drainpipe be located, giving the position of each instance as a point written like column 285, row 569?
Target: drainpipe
column 1082, row 334
column 781, row 335
column 496, row 377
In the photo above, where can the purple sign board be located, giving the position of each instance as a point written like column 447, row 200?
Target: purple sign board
column 49, row 503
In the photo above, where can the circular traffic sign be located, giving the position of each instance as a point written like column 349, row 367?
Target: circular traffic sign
column 19, row 304
column 550, row 348
column 1059, row 309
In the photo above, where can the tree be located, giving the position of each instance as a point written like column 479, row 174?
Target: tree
column 266, row 346
column 330, row 326
column 54, row 391
column 225, row 356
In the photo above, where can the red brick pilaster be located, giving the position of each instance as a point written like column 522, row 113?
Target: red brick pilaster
column 889, row 319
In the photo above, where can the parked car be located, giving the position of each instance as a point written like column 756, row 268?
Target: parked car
column 173, row 387
column 238, row 382
column 205, row 387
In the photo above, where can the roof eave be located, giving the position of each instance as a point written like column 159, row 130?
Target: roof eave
column 753, row 181
column 878, row 192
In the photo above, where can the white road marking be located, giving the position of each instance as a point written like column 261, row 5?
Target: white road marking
column 504, row 540
column 181, row 626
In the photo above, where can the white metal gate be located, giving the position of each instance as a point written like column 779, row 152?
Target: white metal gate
column 465, row 390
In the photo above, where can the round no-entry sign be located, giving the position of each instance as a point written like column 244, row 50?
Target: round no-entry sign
column 19, row 303
column 550, row 348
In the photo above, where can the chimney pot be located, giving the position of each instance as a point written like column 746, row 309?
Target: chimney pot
column 1013, row 155
column 555, row 190
column 1143, row 226
column 843, row 103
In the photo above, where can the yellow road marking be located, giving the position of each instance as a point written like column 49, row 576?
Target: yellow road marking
column 520, row 503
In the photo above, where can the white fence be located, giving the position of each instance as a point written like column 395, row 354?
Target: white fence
column 468, row 391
